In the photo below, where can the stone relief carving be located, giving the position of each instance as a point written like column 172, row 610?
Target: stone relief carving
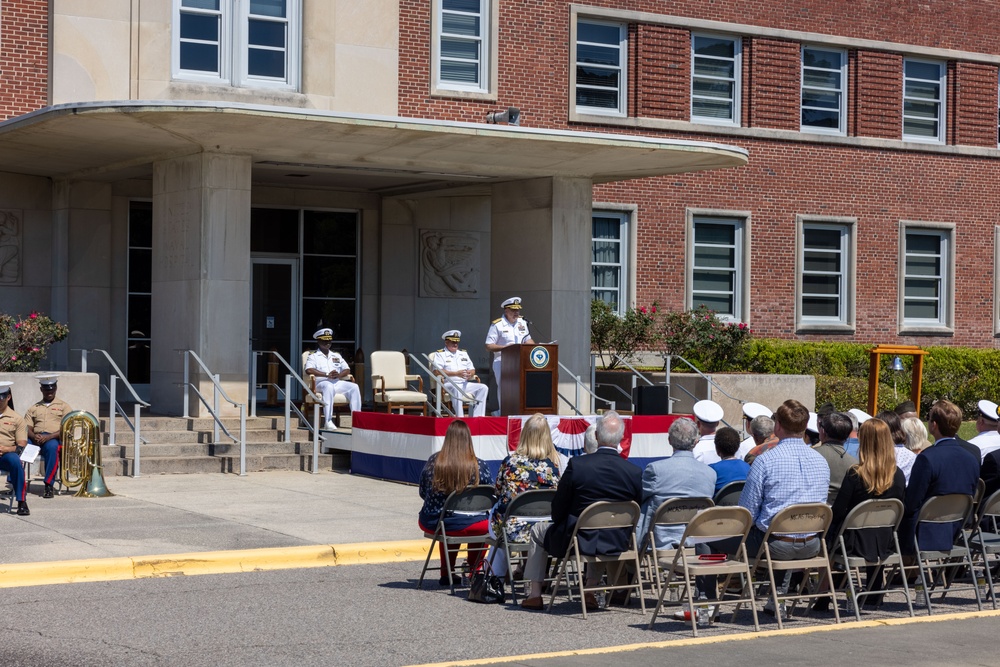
column 449, row 264
column 10, row 247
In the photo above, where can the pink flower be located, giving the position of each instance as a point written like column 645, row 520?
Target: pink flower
column 642, row 309
column 34, row 349
column 13, row 357
column 654, row 309
column 33, row 315
column 17, row 326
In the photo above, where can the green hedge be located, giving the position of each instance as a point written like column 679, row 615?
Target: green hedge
column 960, row 374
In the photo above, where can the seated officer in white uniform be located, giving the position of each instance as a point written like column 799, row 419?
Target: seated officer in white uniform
column 505, row 331
column 457, row 368
column 330, row 369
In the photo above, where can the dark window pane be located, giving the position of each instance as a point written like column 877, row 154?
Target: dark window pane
column 598, row 99
column 822, row 239
column 821, row 261
column 459, row 48
column 920, row 70
column 266, row 63
column 200, row 26
column 140, row 224
column 330, row 232
column 816, row 285
column 329, row 277
column 471, row 6
column 597, row 76
column 715, row 46
column 923, row 310
column 600, row 55
column 267, row 33
column 199, row 57
column 137, row 364
column 139, row 315
column 717, row 234
column 596, row 32
column 202, row 4
column 714, row 257
column 820, row 307
column 816, row 118
column 338, row 315
column 824, row 59
column 140, row 270
column 274, row 230
column 460, row 72
column 719, row 303
column 268, row 8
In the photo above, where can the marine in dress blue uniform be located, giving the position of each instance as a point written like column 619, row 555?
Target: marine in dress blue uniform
column 510, row 329
column 330, row 369
column 458, row 370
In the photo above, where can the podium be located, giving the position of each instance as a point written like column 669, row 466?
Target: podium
column 529, row 380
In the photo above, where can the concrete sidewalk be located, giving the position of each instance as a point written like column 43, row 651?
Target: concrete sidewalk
column 160, row 515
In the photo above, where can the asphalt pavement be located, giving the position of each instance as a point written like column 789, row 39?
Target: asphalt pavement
column 109, row 576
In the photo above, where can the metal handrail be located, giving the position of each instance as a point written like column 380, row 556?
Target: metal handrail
column 635, row 373
column 711, row 382
column 214, row 377
column 437, row 409
column 289, row 405
column 439, row 382
column 114, row 407
column 580, row 385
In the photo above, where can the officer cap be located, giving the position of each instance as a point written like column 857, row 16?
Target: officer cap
column 708, row 411
column 753, row 410
column 452, row 334
column 5, row 388
column 860, row 414
column 513, row 302
column 988, row 409
column 47, row 381
column 324, row 334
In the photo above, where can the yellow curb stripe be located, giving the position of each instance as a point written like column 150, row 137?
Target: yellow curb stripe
column 209, row 562
column 697, row 641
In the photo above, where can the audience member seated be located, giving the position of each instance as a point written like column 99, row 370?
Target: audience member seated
column 680, row 476
column 707, row 415
column 916, row 435
column 533, row 465
column 762, row 431
column 731, row 468
column 904, row 457
column 751, row 411
column 876, row 477
column 603, row 475
column 834, row 428
column 857, row 418
column 906, row 410
column 452, row 469
column 947, row 467
column 987, row 438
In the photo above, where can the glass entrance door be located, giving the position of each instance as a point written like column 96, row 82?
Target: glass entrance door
column 274, row 316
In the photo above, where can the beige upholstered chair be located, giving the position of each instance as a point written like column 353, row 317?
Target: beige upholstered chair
column 340, row 402
column 390, row 383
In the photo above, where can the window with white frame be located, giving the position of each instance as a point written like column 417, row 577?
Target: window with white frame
column 609, row 259
column 826, row 274
column 601, row 54
column 716, row 277
column 715, row 79
column 926, row 276
column 824, row 92
column 463, row 53
column 253, row 43
column 923, row 100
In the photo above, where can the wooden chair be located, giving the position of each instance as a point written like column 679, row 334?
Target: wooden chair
column 602, row 515
column 712, row 524
column 390, row 383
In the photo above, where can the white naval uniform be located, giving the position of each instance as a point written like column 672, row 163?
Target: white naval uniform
column 987, row 441
column 330, row 387
column 459, row 361
column 504, row 333
column 704, row 450
column 745, row 448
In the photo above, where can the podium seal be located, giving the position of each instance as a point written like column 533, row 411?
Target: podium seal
column 539, row 357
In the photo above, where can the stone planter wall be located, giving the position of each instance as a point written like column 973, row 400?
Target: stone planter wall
column 80, row 390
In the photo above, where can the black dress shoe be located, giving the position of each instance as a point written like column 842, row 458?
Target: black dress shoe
column 49, row 491
column 22, row 508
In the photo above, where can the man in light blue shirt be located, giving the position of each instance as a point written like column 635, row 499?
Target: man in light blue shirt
column 789, row 473
column 680, row 476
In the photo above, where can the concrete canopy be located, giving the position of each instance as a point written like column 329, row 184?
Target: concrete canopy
column 110, row 140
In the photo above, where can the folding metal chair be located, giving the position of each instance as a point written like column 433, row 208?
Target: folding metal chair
column 709, row 525
column 987, row 543
column 603, row 515
column 790, row 524
column 946, row 509
column 534, row 505
column 870, row 515
column 729, row 495
column 673, row 512
column 472, row 500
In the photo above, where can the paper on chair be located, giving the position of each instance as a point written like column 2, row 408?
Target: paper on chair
column 30, row 453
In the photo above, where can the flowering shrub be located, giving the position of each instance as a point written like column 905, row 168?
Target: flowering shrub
column 24, row 341
column 613, row 336
column 703, row 339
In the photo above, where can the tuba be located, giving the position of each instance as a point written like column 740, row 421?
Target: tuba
column 80, row 460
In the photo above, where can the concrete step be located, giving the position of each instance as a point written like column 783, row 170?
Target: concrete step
column 205, row 437
column 158, row 465
column 160, row 422
column 183, row 449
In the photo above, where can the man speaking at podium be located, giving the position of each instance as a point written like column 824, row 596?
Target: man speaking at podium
column 511, row 329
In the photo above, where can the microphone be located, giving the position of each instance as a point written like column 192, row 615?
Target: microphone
column 531, row 324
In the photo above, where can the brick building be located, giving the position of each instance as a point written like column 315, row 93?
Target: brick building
column 175, row 174
column 868, row 209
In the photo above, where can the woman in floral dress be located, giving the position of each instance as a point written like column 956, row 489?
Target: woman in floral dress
column 533, row 465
